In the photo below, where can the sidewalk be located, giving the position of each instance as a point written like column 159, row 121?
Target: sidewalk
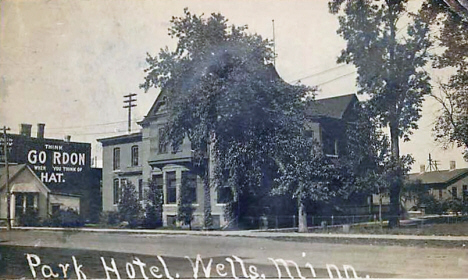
column 254, row 234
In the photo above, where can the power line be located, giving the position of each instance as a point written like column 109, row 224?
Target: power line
column 90, row 125
column 89, row 133
column 337, row 78
column 319, row 73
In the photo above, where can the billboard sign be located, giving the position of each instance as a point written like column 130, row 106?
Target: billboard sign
column 61, row 165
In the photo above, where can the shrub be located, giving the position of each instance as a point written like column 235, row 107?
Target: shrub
column 30, row 218
column 129, row 207
column 185, row 207
column 64, row 218
column 454, row 205
column 153, row 208
column 432, row 205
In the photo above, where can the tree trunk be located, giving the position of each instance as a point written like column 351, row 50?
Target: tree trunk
column 380, row 209
column 207, row 219
column 302, row 215
column 396, row 181
column 209, row 182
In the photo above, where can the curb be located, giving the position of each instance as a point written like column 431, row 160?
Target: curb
column 251, row 234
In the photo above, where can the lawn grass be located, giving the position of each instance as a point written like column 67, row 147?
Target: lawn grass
column 423, row 227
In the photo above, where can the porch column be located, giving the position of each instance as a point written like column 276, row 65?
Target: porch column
column 36, row 199
column 12, row 208
column 178, row 173
column 24, row 203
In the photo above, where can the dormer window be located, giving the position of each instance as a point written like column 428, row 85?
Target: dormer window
column 330, row 146
column 162, row 143
column 309, row 134
column 161, row 105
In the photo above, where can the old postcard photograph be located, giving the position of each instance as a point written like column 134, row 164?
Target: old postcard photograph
column 259, row 139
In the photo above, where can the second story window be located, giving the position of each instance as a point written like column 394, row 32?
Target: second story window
column 179, row 147
column 309, row 133
column 116, row 159
column 330, row 146
column 135, row 155
column 162, row 142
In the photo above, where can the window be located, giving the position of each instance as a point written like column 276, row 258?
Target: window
column 19, row 203
column 123, row 182
column 29, row 201
column 116, row 158
column 162, row 144
column 224, row 194
column 155, row 190
column 179, row 147
column 465, row 192
column 25, row 202
column 309, row 133
column 454, row 192
column 135, row 155
column 116, row 191
column 330, row 145
column 190, row 182
column 161, row 105
column 171, row 189
column 140, row 189
column 158, row 180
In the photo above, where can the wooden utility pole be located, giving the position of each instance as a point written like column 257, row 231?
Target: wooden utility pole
column 130, row 104
column 5, row 154
column 433, row 164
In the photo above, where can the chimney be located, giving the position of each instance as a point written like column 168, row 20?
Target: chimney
column 25, row 129
column 40, row 130
column 453, row 165
column 422, row 168
column 67, row 138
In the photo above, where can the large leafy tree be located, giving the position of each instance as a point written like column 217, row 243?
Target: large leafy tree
column 452, row 123
column 368, row 149
column 310, row 176
column 369, row 157
column 389, row 63
column 368, row 154
column 225, row 96
column 459, row 7
column 450, row 22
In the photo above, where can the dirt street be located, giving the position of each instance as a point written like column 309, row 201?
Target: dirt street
column 375, row 261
